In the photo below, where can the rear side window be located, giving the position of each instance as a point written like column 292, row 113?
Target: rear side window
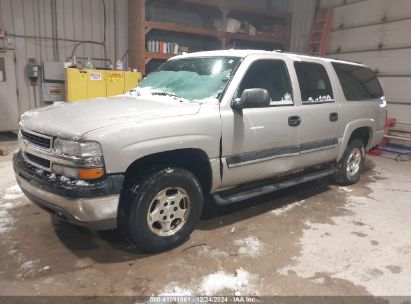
column 271, row 75
column 314, row 83
column 358, row 83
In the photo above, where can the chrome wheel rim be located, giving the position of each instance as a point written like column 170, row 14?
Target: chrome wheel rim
column 354, row 162
column 168, row 211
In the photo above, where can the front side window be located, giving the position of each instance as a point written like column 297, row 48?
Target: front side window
column 193, row 79
column 315, row 85
column 358, row 83
column 271, row 75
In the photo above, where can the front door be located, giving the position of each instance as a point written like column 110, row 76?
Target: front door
column 258, row 143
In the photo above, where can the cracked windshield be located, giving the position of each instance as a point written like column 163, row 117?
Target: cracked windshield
column 193, row 79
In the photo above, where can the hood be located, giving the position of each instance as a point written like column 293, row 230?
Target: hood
column 73, row 120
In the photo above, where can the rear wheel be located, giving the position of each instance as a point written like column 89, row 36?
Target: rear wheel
column 161, row 208
column 351, row 164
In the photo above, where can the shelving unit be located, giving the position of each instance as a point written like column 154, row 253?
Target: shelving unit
column 140, row 28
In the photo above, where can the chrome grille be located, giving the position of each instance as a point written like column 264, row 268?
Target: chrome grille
column 37, row 139
column 38, row 160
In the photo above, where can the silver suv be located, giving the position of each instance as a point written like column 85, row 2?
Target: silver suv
column 230, row 125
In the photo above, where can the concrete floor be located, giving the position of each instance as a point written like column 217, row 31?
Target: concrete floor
column 313, row 239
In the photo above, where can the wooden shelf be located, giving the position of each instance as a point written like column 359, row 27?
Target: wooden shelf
column 180, row 28
column 212, row 3
column 257, row 38
column 256, row 11
column 139, row 27
column 173, row 27
column 240, row 8
column 160, row 56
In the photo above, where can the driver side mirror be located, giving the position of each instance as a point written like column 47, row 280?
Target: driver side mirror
column 252, row 98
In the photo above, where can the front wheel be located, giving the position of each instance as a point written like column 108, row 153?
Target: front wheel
column 351, row 164
column 161, row 208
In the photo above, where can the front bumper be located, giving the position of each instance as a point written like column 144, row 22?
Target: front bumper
column 92, row 205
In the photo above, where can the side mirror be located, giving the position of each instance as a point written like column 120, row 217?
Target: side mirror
column 252, row 98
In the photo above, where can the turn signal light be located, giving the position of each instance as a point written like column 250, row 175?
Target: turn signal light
column 91, row 173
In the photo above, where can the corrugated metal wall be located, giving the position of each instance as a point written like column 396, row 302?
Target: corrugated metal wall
column 302, row 13
column 30, row 25
column 377, row 33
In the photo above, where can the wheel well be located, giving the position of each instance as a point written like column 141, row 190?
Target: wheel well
column 194, row 160
column 362, row 133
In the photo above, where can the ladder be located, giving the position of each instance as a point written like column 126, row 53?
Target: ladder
column 320, row 32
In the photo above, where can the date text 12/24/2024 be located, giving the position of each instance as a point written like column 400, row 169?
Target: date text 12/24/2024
column 203, row 299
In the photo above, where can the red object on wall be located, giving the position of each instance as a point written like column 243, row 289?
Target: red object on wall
column 2, row 32
column 320, row 32
column 389, row 123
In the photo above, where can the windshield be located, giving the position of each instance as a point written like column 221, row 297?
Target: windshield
column 192, row 78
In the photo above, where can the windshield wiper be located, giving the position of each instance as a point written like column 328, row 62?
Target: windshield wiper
column 161, row 93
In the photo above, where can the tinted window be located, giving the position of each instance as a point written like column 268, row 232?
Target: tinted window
column 358, row 83
column 271, row 75
column 314, row 83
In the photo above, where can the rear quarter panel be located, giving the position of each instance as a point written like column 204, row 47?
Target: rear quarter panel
column 357, row 114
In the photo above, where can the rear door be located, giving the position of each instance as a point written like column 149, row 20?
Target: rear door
column 320, row 114
column 258, row 143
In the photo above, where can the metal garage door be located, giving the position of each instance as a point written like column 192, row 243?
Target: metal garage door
column 377, row 33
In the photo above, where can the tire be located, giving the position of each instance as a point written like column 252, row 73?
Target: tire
column 160, row 208
column 355, row 155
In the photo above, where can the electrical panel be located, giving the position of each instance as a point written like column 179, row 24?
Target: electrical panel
column 53, row 71
column 33, row 71
column 53, row 91
column 52, row 86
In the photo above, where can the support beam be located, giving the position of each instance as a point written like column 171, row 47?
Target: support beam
column 136, row 41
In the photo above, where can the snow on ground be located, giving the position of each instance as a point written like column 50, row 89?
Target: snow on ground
column 346, row 189
column 347, row 248
column 12, row 193
column 6, row 221
column 216, row 253
column 8, row 201
column 173, row 290
column 285, row 209
column 239, row 283
column 27, row 269
column 242, row 282
column 13, row 197
column 249, row 246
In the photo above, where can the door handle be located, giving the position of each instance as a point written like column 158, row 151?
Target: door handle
column 294, row 121
column 333, row 116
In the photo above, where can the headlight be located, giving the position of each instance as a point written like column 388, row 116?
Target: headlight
column 79, row 160
column 74, row 148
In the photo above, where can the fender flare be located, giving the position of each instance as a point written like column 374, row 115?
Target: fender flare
column 349, row 130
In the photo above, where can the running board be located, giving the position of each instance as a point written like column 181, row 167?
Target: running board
column 242, row 193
